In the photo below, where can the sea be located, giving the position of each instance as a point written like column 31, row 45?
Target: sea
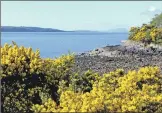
column 55, row 44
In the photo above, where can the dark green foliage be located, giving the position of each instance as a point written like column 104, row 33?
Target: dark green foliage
column 18, row 94
column 153, row 107
column 83, row 82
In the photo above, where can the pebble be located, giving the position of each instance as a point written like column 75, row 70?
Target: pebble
column 110, row 58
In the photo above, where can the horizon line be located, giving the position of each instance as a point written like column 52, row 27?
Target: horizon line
column 127, row 29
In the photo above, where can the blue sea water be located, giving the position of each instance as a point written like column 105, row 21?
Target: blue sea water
column 55, row 44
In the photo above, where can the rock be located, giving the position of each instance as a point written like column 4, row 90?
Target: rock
column 96, row 49
column 109, row 58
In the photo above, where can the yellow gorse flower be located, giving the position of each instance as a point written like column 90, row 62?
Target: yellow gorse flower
column 15, row 57
column 115, row 92
column 146, row 32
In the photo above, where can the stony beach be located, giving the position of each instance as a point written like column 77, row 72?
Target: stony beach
column 128, row 56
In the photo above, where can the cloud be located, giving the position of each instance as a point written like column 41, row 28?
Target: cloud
column 151, row 11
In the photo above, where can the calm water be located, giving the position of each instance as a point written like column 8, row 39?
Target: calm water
column 54, row 44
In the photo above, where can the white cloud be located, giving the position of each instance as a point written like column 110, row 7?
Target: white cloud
column 151, row 11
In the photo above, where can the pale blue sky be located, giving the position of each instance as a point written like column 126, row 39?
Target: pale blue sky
column 78, row 15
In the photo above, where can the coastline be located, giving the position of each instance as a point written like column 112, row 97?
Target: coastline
column 128, row 56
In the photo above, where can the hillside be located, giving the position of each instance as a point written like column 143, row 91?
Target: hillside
column 27, row 29
column 39, row 29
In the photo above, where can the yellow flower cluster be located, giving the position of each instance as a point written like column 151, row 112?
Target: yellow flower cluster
column 49, row 106
column 156, row 33
column 139, row 36
column 25, row 60
column 20, row 58
column 114, row 92
column 146, row 32
column 62, row 61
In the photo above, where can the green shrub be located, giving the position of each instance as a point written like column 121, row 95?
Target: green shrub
column 27, row 79
column 148, row 33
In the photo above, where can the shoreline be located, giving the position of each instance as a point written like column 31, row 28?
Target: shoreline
column 128, row 56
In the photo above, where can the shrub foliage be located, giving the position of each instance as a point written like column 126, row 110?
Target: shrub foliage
column 136, row 91
column 28, row 79
column 148, row 33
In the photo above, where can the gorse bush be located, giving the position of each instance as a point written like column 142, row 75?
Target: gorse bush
column 19, row 61
column 148, row 33
column 20, row 74
column 136, row 91
column 26, row 78
column 32, row 84
column 79, row 83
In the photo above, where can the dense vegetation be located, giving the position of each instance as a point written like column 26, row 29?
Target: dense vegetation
column 32, row 84
column 148, row 33
column 114, row 92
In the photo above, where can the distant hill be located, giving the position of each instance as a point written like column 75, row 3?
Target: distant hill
column 86, row 31
column 39, row 29
column 28, row 29
column 118, row 30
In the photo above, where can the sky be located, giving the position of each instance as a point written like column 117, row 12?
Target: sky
column 79, row 15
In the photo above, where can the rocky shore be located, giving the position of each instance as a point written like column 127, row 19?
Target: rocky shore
column 129, row 55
